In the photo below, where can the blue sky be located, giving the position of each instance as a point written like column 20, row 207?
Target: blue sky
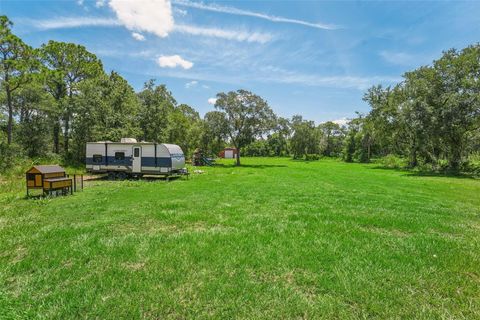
column 314, row 58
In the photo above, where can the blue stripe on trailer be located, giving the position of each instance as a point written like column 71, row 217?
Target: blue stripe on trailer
column 146, row 161
column 161, row 162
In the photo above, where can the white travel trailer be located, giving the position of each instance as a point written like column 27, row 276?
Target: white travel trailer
column 131, row 158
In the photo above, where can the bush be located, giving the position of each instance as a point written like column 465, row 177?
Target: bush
column 473, row 164
column 312, row 157
column 10, row 156
column 258, row 148
column 393, row 162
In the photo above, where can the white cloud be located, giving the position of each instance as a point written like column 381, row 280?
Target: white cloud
column 224, row 34
column 138, row 36
column 99, row 3
column 190, row 84
column 240, row 12
column 173, row 62
column 212, row 101
column 398, row 58
column 196, row 84
column 180, row 12
column 65, row 22
column 76, row 22
column 153, row 16
column 80, row 2
column 341, row 122
column 274, row 74
column 355, row 82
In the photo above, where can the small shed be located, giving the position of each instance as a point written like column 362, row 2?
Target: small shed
column 48, row 178
column 228, row 153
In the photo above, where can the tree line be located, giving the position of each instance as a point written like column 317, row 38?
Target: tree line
column 430, row 118
column 57, row 97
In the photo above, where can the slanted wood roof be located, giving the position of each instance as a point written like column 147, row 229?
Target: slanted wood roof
column 46, row 169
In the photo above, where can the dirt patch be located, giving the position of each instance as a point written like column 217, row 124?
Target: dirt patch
column 93, row 177
column 474, row 276
column 19, row 254
column 133, row 266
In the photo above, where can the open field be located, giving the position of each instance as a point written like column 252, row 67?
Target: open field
column 274, row 239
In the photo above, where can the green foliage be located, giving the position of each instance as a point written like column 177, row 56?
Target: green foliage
column 349, row 148
column 184, row 128
column 312, row 157
column 33, row 106
column 247, row 116
column 275, row 145
column 431, row 117
column 213, row 132
column 258, row 148
column 156, row 104
column 10, row 155
column 473, row 164
column 332, row 139
column 17, row 64
column 306, row 138
column 393, row 162
column 107, row 110
column 65, row 67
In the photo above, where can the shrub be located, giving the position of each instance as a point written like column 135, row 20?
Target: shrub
column 393, row 162
column 10, row 155
column 312, row 157
column 473, row 164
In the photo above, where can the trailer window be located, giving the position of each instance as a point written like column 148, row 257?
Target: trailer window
column 119, row 155
column 97, row 158
column 136, row 152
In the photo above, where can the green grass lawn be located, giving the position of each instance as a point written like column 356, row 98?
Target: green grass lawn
column 275, row 238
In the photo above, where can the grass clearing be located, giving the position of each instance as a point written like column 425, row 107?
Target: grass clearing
column 275, row 238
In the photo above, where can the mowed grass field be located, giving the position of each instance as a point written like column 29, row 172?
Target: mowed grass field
column 275, row 238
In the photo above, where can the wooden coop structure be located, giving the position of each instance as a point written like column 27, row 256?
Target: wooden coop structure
column 51, row 179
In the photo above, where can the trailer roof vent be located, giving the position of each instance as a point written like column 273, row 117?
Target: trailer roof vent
column 128, row 140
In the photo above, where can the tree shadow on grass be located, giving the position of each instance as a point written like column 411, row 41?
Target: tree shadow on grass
column 445, row 174
column 254, row 166
column 442, row 175
column 146, row 177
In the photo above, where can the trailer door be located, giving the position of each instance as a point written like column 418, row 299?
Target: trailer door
column 137, row 159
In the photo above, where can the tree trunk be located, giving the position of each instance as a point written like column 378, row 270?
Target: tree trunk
column 413, row 158
column 65, row 135
column 10, row 115
column 238, row 156
column 56, row 136
column 456, row 156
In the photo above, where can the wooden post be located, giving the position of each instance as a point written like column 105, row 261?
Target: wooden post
column 82, row 181
column 75, row 182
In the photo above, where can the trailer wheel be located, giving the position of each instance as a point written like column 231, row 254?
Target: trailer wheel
column 111, row 175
